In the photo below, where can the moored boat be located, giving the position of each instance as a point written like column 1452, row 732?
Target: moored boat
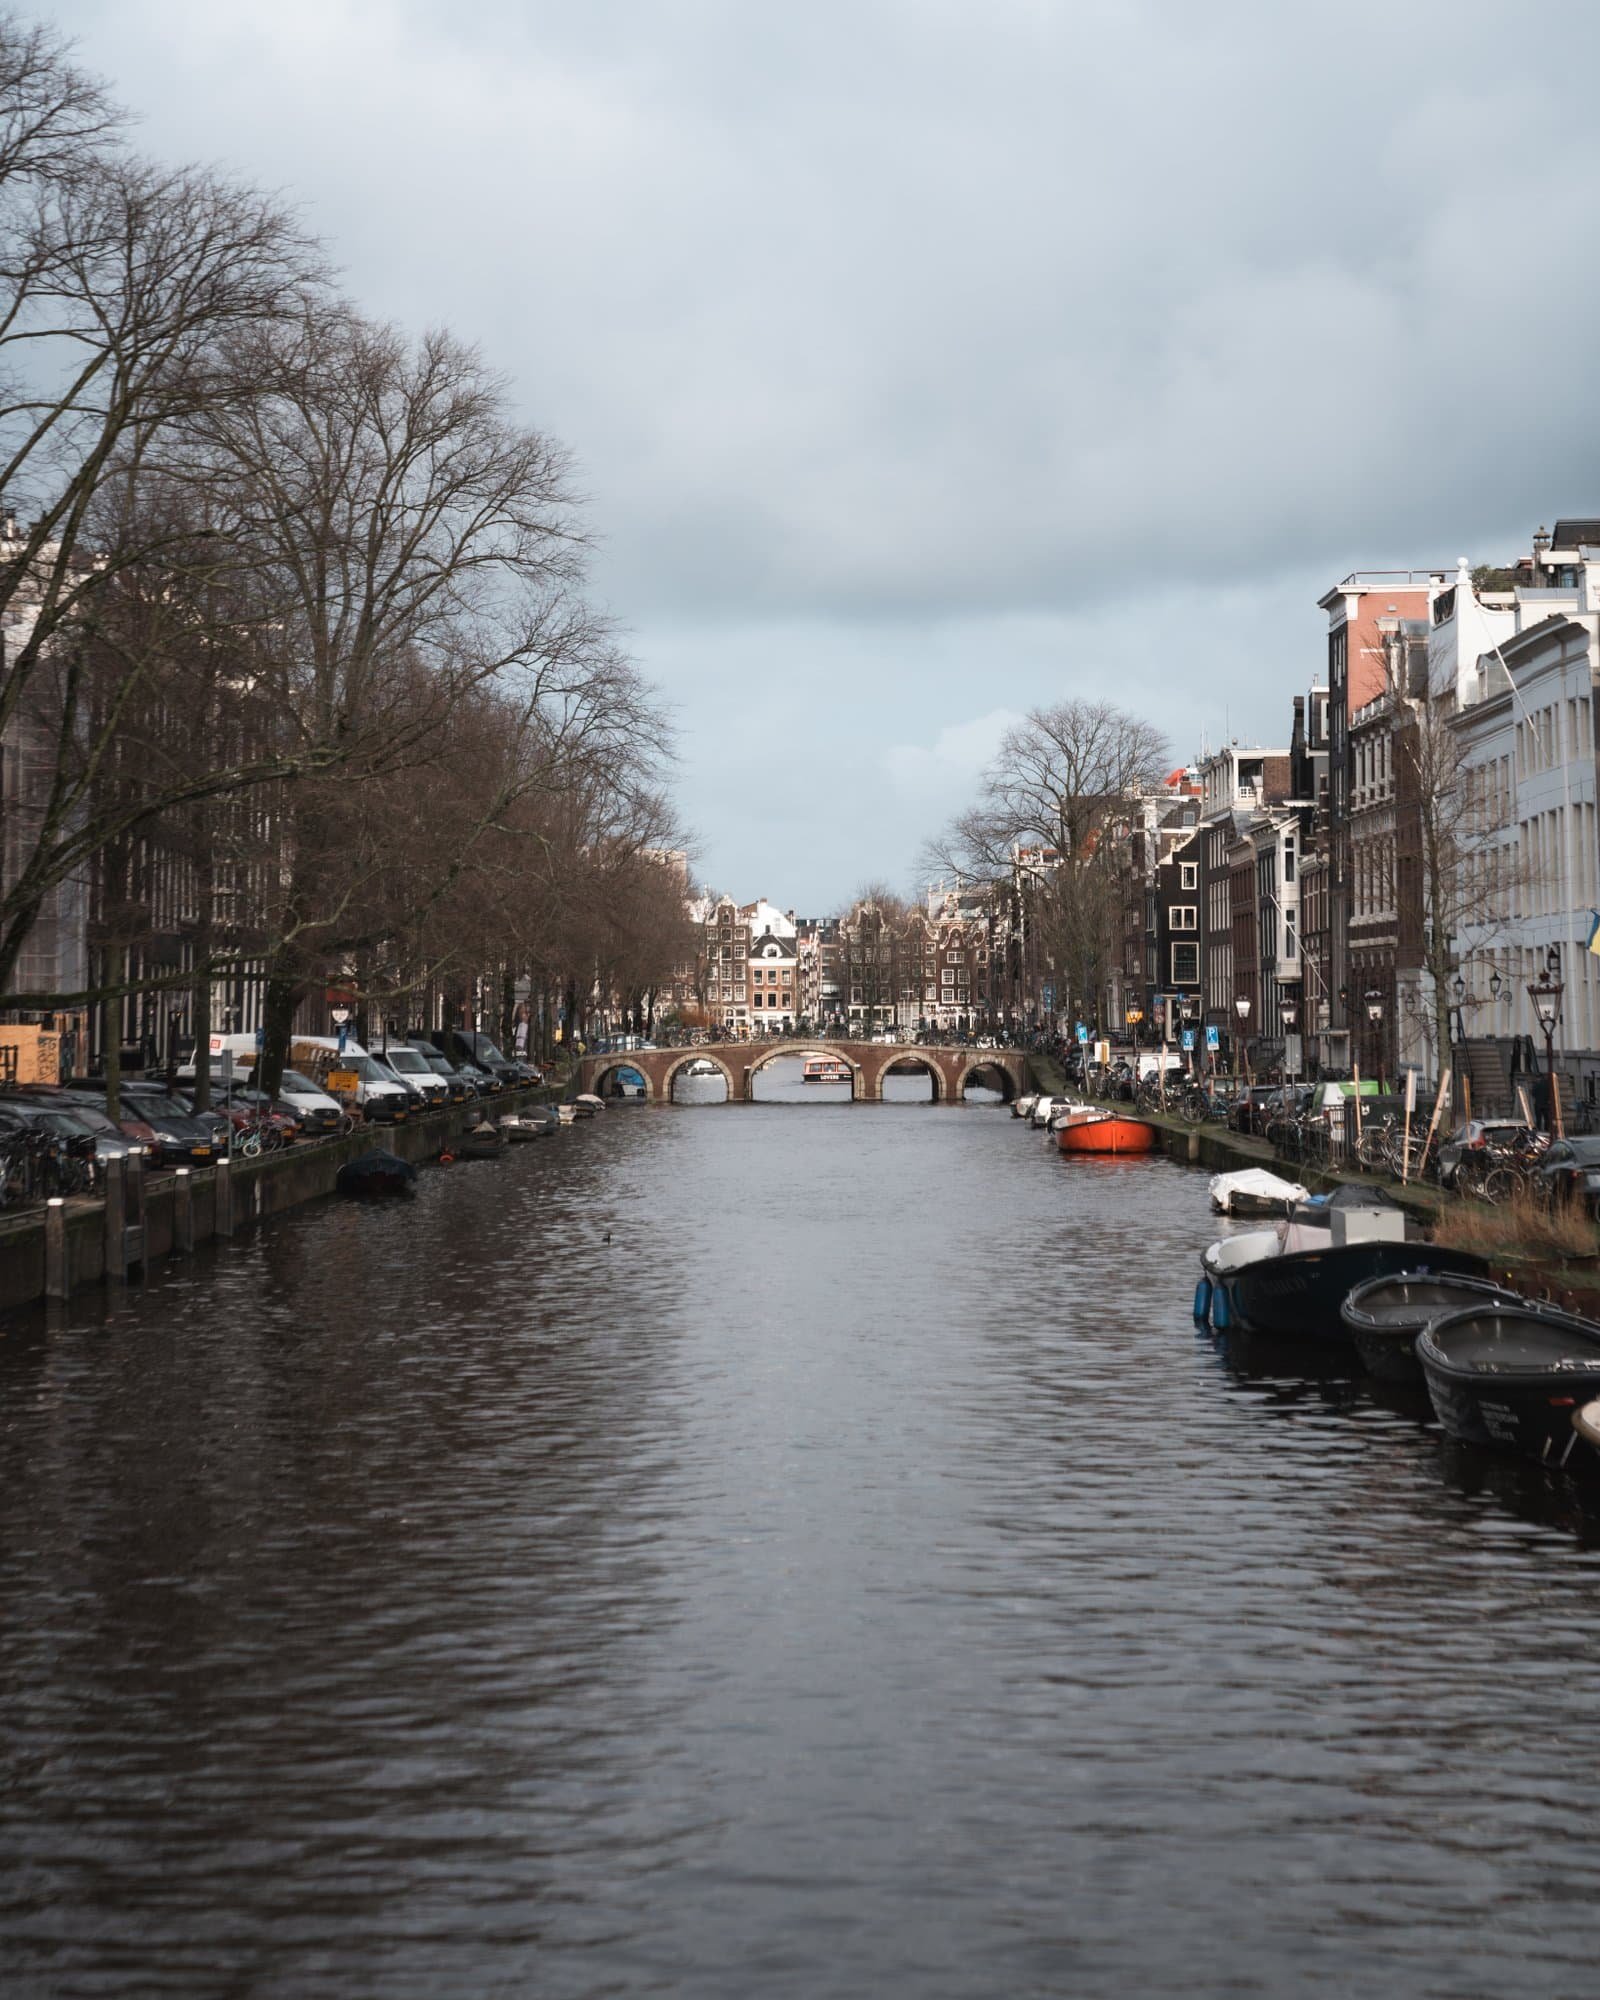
column 825, row 1069
column 1253, row 1191
column 1106, row 1133
column 1023, row 1107
column 481, row 1142
column 376, row 1173
column 587, row 1105
column 1384, row 1315
column 537, row 1122
column 1293, row 1280
column 1512, row 1375
column 1586, row 1422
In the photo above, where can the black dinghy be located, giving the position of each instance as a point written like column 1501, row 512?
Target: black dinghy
column 1512, row 1375
column 1328, row 1248
column 1384, row 1315
column 376, row 1173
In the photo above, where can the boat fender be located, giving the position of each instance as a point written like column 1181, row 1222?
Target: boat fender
column 1202, row 1300
column 1221, row 1317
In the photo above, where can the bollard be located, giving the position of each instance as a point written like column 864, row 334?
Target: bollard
column 222, row 1220
column 133, row 1220
column 56, row 1276
column 182, row 1212
column 116, row 1219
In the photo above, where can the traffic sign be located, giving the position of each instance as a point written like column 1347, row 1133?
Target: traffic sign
column 1188, row 1038
column 1083, row 1032
column 1213, row 1038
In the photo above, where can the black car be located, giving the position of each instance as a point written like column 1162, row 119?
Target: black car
column 1570, row 1172
column 459, row 1088
column 44, row 1149
column 138, row 1097
column 464, row 1045
column 181, row 1140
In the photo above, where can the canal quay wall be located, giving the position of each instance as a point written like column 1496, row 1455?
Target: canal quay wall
column 184, row 1209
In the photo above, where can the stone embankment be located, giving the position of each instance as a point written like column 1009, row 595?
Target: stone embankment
column 62, row 1248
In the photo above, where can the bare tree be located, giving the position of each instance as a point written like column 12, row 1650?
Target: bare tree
column 412, row 545
column 1042, row 825
column 1458, row 876
column 119, row 282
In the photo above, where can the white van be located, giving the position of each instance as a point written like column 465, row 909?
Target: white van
column 381, row 1096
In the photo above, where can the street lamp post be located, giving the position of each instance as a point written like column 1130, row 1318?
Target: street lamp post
column 1374, row 1000
column 1241, row 1007
column 1290, row 1014
column 1545, row 992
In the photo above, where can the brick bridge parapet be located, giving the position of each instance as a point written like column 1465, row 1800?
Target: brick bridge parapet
column 868, row 1063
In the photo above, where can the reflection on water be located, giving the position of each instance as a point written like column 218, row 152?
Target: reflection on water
column 792, row 1551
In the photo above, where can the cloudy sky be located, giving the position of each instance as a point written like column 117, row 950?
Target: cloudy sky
column 927, row 361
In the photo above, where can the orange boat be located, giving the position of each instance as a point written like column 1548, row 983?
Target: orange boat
column 1106, row 1135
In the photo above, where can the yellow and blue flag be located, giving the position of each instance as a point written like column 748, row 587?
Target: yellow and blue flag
column 1592, row 941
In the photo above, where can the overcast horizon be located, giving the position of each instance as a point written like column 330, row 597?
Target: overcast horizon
column 923, row 364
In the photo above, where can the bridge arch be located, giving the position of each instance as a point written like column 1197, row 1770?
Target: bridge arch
column 997, row 1067
column 609, row 1065
column 762, row 1056
column 913, row 1058
column 674, row 1070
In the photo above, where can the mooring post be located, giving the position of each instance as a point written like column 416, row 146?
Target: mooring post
column 182, row 1212
column 56, row 1278
column 133, row 1234
column 222, row 1221
column 116, row 1219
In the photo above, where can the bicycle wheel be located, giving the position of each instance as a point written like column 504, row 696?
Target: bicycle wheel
column 247, row 1143
column 1500, row 1184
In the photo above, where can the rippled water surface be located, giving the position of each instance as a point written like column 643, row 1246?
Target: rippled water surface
column 785, row 1550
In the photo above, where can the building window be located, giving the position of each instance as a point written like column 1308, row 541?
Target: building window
column 1181, row 917
column 1188, row 874
column 1185, row 964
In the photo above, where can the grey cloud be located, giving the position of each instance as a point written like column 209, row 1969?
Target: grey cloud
column 905, row 329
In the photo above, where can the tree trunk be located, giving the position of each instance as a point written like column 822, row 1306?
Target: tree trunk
column 111, row 1029
column 283, row 993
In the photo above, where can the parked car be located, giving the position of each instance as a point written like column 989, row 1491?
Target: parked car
column 167, row 1128
column 137, row 1093
column 459, row 1088
column 246, row 1107
column 380, row 1095
column 317, row 1112
column 466, row 1045
column 1474, row 1137
column 110, row 1139
column 412, row 1071
column 57, row 1127
column 1570, row 1172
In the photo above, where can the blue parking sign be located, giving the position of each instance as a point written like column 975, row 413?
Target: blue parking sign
column 1213, row 1040
column 1188, row 1038
column 1083, row 1032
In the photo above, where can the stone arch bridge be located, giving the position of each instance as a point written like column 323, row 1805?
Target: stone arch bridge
column 868, row 1062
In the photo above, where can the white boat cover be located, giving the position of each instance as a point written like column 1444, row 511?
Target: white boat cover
column 1255, row 1182
column 1248, row 1247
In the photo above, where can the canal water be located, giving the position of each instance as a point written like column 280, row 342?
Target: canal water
column 792, row 1549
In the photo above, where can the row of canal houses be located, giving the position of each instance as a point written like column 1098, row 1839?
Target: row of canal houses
column 1430, row 821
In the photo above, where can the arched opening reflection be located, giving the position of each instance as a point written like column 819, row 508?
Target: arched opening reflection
column 802, row 1076
column 910, row 1079
column 988, row 1083
column 621, row 1081
column 699, row 1081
